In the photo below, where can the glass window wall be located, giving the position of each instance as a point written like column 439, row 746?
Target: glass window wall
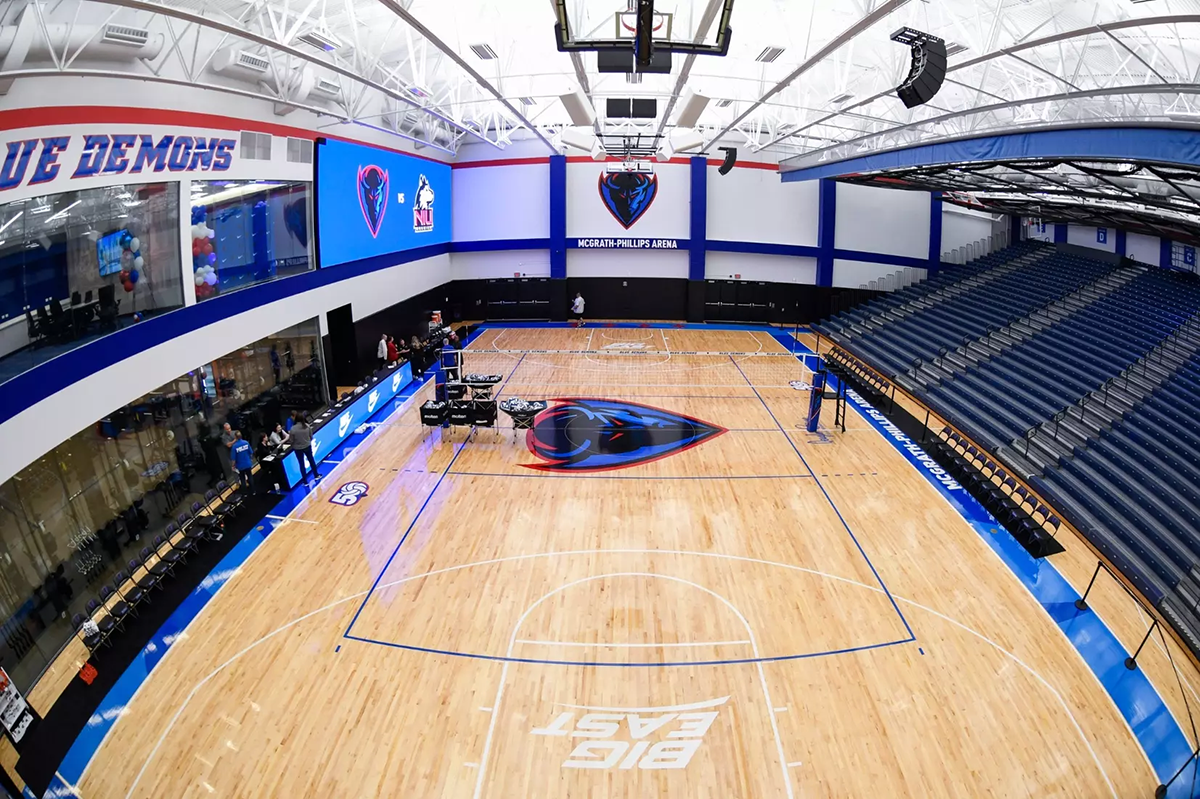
column 69, row 521
column 247, row 232
column 78, row 265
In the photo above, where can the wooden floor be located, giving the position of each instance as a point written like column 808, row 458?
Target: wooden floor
column 766, row 614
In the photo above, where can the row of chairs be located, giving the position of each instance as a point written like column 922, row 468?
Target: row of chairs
column 154, row 564
column 872, row 379
column 1018, row 509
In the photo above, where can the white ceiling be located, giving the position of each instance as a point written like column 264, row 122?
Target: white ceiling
column 407, row 67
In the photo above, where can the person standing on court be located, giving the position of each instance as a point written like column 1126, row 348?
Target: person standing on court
column 381, row 352
column 302, row 444
column 417, row 357
column 577, row 309
column 243, row 460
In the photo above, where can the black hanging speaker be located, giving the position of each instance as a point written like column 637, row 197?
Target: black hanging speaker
column 730, row 160
column 928, row 69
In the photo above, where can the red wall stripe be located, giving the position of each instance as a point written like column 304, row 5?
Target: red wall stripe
column 18, row 118
column 501, row 162
column 49, row 116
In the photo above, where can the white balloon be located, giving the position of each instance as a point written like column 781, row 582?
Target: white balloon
column 139, row 262
column 136, row 244
column 212, row 234
column 211, row 279
column 199, row 231
column 199, row 279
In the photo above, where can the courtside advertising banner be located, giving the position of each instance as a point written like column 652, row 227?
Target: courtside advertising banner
column 373, row 202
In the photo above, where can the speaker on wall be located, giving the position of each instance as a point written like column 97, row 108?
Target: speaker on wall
column 730, row 160
column 926, row 75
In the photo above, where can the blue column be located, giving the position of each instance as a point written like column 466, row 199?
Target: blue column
column 1060, row 233
column 558, row 216
column 826, row 227
column 1014, row 229
column 1121, row 243
column 698, row 241
column 1164, row 253
column 935, row 232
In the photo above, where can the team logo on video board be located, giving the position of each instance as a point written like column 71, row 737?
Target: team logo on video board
column 628, row 195
column 592, row 435
column 372, row 196
column 423, row 207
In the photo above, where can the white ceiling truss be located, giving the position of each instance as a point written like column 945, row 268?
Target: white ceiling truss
column 443, row 73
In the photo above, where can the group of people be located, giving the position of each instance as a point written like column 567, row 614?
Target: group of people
column 419, row 353
column 297, row 432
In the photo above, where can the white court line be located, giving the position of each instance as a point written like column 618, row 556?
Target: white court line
column 592, row 552
column 487, row 742
column 302, row 506
column 629, row 646
column 282, row 519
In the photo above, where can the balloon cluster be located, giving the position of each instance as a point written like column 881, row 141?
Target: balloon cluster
column 204, row 258
column 131, row 260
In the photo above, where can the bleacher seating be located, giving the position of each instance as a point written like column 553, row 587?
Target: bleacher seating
column 1015, row 343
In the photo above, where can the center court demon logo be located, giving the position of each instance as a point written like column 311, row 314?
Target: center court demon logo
column 591, row 435
column 628, row 195
column 372, row 196
column 423, row 207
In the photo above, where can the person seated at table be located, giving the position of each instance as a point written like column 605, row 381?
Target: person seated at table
column 279, row 436
column 264, row 448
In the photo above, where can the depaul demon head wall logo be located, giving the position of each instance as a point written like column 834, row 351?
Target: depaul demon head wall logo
column 592, row 435
column 423, row 207
column 628, row 195
column 372, row 196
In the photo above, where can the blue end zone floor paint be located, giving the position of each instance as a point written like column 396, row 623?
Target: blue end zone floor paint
column 1156, row 730
column 111, row 708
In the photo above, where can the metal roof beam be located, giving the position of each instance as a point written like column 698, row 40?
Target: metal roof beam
column 1171, row 19
column 882, row 11
column 401, row 11
column 243, row 33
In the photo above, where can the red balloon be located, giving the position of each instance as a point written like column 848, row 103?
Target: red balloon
column 208, row 248
column 128, row 286
column 195, row 247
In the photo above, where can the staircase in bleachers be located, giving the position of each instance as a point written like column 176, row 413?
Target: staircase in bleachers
column 1090, row 389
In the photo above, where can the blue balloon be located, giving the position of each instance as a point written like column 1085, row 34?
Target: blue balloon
column 212, row 257
column 133, row 276
column 198, row 214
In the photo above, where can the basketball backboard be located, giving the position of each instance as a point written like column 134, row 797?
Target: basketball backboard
column 602, row 24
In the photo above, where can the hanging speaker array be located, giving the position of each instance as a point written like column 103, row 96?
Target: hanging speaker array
column 928, row 69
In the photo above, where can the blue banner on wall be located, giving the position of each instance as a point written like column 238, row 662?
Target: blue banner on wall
column 1102, row 235
column 338, row 429
column 374, row 202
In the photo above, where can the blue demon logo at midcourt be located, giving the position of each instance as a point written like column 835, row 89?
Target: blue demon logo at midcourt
column 590, row 435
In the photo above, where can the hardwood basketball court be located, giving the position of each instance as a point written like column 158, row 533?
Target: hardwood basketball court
column 760, row 612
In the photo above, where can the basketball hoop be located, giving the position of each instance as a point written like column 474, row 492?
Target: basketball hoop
column 627, row 25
